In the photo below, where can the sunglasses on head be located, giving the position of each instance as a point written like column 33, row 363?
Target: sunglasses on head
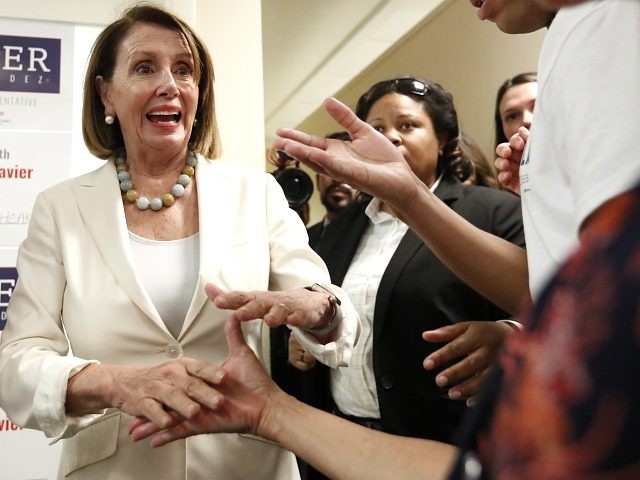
column 405, row 86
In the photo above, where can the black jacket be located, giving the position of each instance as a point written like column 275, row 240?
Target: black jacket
column 416, row 293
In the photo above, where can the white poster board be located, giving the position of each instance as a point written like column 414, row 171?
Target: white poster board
column 42, row 66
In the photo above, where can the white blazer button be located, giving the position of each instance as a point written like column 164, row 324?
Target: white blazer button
column 173, row 350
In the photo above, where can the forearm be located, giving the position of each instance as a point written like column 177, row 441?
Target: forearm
column 494, row 267
column 345, row 451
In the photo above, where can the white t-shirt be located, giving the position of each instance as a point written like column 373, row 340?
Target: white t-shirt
column 582, row 150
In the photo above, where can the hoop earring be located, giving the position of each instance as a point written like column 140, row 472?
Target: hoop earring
column 109, row 119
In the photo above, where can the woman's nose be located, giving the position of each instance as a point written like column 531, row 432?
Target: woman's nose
column 393, row 136
column 167, row 85
column 527, row 116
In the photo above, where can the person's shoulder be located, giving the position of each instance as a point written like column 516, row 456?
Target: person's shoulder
column 316, row 226
column 88, row 179
column 232, row 173
column 229, row 167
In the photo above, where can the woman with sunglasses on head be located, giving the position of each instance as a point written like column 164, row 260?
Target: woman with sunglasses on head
column 401, row 289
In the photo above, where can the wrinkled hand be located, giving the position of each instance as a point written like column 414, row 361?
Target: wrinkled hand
column 298, row 356
column 247, row 389
column 370, row 162
column 298, row 308
column 508, row 161
column 150, row 392
column 475, row 347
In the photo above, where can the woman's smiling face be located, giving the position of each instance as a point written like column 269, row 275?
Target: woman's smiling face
column 153, row 91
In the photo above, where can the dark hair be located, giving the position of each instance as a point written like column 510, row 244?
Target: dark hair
column 473, row 165
column 437, row 103
column 344, row 136
column 519, row 79
column 105, row 140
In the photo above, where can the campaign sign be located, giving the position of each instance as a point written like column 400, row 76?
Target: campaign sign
column 29, row 64
column 8, row 279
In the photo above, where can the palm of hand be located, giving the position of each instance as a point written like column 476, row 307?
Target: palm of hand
column 371, row 163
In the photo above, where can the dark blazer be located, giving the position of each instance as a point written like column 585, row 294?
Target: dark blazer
column 315, row 233
column 416, row 293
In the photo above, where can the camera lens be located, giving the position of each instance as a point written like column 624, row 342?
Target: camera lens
column 296, row 184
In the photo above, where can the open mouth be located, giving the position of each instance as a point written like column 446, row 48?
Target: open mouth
column 164, row 117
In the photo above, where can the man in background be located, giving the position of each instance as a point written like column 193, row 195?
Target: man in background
column 334, row 195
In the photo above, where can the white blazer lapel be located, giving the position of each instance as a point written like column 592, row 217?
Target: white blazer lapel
column 100, row 205
column 214, row 225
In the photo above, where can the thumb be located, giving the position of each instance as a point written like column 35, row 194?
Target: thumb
column 524, row 133
column 212, row 291
column 346, row 118
column 234, row 335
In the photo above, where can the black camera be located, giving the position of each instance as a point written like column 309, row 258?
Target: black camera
column 296, row 184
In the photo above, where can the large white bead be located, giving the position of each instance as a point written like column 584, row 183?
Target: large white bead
column 177, row 190
column 142, row 203
column 184, row 180
column 155, row 204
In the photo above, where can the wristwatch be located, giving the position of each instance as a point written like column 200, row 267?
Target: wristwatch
column 335, row 303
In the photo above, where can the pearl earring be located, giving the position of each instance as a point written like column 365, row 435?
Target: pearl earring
column 109, row 119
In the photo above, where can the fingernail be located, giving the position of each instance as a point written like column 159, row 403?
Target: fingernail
column 219, row 375
column 442, row 381
column 455, row 394
column 428, row 364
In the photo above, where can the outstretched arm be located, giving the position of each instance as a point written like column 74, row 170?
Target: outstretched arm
column 497, row 269
column 253, row 403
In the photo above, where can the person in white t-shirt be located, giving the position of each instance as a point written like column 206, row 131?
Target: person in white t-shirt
column 579, row 155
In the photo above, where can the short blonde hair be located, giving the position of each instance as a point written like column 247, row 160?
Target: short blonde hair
column 104, row 140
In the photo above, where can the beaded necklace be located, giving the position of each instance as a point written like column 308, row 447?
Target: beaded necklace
column 155, row 203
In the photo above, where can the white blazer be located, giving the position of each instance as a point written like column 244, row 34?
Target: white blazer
column 78, row 288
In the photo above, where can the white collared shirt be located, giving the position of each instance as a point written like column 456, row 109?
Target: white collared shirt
column 354, row 387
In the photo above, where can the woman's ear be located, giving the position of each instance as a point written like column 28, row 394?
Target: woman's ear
column 103, row 91
column 441, row 144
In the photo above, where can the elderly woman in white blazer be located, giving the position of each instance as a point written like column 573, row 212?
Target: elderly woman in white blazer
column 110, row 302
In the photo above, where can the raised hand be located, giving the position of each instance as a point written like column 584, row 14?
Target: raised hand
column 508, row 161
column 370, row 162
column 474, row 346
column 298, row 308
column 247, row 390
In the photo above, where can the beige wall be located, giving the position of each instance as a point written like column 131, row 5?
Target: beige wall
column 231, row 30
column 468, row 57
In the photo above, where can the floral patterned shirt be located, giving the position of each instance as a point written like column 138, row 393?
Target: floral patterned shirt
column 565, row 401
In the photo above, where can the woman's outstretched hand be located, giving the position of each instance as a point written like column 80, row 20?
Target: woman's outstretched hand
column 299, row 308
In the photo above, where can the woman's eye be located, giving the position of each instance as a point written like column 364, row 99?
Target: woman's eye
column 184, row 70
column 378, row 129
column 511, row 117
column 406, row 126
column 143, row 68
